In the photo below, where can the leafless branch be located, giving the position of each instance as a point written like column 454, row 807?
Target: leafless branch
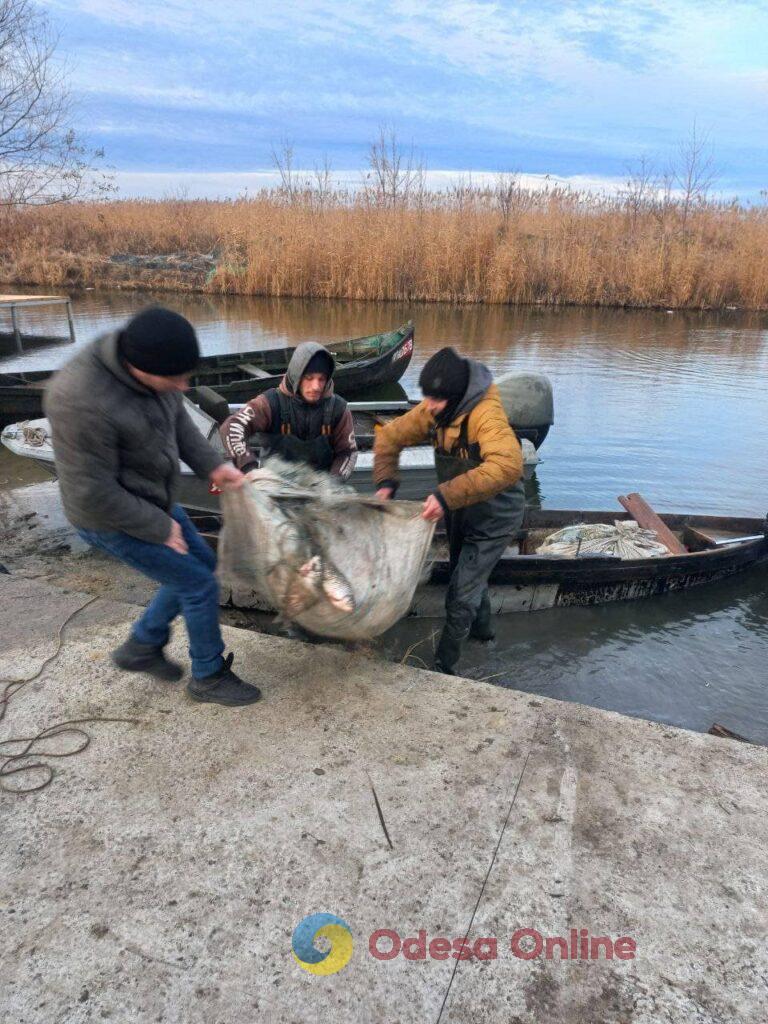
column 42, row 161
column 396, row 175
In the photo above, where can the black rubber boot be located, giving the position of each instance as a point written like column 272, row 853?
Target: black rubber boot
column 482, row 628
column 135, row 657
column 223, row 687
column 448, row 652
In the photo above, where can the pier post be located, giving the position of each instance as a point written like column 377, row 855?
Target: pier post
column 71, row 322
column 16, row 332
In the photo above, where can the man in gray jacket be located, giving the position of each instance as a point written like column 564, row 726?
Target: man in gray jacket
column 119, row 428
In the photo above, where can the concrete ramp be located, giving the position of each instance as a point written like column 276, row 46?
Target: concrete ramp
column 161, row 875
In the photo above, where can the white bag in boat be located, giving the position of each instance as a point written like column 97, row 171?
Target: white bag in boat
column 625, row 539
column 338, row 564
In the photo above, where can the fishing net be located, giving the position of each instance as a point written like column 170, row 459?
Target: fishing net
column 338, row 564
column 622, row 540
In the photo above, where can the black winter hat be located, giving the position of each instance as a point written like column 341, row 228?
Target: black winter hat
column 161, row 342
column 321, row 362
column 445, row 375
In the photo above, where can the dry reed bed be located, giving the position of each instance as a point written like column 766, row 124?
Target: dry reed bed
column 469, row 246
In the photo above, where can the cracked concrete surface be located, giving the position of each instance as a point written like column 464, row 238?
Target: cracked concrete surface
column 161, row 874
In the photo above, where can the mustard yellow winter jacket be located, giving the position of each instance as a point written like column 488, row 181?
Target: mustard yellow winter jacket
column 502, row 457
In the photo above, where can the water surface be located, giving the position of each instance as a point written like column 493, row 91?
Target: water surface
column 668, row 404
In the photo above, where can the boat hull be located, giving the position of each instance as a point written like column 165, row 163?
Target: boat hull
column 21, row 395
column 20, row 402
column 368, row 370
column 528, row 583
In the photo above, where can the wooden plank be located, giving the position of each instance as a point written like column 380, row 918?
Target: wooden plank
column 253, row 371
column 647, row 519
column 724, row 733
column 697, row 540
column 31, row 300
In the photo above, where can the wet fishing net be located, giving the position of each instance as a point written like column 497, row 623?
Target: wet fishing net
column 338, row 564
column 625, row 539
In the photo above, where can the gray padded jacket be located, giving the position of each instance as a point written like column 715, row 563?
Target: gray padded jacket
column 117, row 445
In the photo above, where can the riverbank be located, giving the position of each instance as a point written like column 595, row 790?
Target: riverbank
column 162, row 873
column 499, row 246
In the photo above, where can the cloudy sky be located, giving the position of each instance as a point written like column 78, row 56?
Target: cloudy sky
column 200, row 90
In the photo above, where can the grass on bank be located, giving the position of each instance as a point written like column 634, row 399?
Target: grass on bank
column 494, row 245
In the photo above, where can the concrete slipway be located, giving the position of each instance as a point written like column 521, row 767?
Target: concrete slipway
column 161, row 875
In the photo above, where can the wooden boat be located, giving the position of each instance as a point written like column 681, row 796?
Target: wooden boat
column 717, row 547
column 362, row 364
column 31, row 440
column 21, row 395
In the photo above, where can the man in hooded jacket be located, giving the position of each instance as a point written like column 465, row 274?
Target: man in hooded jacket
column 301, row 421
column 480, row 492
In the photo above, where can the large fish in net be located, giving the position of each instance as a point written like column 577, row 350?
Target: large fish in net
column 338, row 564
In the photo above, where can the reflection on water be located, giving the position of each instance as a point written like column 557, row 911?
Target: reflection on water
column 672, row 405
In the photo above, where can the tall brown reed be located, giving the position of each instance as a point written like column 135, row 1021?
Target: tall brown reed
column 494, row 245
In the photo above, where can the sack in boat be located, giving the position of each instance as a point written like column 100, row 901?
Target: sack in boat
column 622, row 540
column 338, row 564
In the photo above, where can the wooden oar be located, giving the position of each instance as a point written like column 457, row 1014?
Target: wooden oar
column 647, row 519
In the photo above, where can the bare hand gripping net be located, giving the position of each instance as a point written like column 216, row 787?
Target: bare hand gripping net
column 338, row 564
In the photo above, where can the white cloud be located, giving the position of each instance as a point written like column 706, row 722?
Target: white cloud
column 612, row 75
column 230, row 184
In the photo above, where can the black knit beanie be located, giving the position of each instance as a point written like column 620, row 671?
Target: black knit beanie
column 161, row 342
column 321, row 362
column 445, row 375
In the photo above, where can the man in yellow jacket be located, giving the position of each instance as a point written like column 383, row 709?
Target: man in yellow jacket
column 480, row 492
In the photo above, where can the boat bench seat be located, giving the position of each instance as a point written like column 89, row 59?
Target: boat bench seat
column 253, row 371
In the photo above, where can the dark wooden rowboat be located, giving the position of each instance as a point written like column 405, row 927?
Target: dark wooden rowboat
column 362, row 364
column 21, row 396
column 720, row 546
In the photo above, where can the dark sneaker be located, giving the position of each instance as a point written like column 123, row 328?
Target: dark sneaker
column 223, row 687
column 135, row 657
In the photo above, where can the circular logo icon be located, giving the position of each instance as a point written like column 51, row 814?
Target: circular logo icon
column 338, row 936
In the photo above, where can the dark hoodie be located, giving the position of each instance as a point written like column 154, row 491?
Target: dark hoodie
column 256, row 417
column 480, row 379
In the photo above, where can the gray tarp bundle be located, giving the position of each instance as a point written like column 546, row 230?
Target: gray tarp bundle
column 299, row 539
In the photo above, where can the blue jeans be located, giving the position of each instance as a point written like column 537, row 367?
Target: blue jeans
column 189, row 586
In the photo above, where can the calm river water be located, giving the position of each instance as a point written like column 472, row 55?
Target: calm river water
column 669, row 404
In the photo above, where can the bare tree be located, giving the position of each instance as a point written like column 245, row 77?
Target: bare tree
column 506, row 193
column 396, row 175
column 42, row 160
column 694, row 172
column 642, row 187
column 323, row 185
column 282, row 160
